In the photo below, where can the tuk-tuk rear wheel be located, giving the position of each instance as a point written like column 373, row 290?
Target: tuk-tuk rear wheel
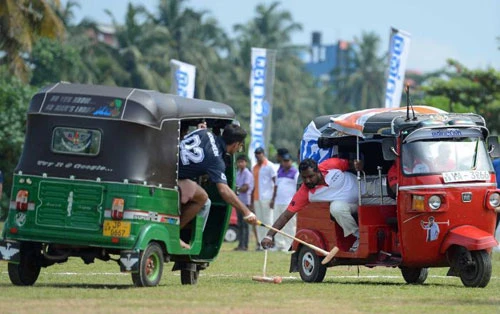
column 478, row 272
column 150, row 267
column 310, row 267
column 414, row 275
column 26, row 272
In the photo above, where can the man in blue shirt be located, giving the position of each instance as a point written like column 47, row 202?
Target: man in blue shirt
column 200, row 153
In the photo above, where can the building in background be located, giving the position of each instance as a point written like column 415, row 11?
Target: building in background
column 324, row 60
column 105, row 34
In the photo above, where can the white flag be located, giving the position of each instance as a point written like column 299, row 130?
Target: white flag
column 261, row 98
column 183, row 78
column 399, row 48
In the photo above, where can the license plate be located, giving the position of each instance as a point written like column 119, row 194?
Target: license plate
column 113, row 228
column 463, row 176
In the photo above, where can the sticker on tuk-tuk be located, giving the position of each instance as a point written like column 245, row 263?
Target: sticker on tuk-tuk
column 431, row 226
column 113, row 228
column 464, row 176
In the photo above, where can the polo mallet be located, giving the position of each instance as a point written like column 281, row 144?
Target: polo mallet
column 328, row 255
column 264, row 278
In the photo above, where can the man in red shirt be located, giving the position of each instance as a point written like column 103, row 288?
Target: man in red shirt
column 326, row 182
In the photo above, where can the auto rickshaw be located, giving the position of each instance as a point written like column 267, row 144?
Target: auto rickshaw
column 97, row 179
column 441, row 216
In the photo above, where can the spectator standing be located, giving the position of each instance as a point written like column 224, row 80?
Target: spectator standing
column 244, row 183
column 264, row 184
column 286, row 186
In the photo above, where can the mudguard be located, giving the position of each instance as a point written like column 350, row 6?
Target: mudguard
column 470, row 237
column 310, row 236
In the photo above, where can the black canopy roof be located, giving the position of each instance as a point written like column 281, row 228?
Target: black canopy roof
column 145, row 107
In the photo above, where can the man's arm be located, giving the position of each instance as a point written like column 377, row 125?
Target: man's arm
column 275, row 189
column 231, row 198
column 282, row 220
column 244, row 188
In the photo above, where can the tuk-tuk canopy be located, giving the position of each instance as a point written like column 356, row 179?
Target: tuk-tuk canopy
column 376, row 120
column 146, row 107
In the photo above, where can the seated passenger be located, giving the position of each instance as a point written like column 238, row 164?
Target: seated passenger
column 327, row 182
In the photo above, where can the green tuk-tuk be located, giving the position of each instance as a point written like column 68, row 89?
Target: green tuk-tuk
column 98, row 179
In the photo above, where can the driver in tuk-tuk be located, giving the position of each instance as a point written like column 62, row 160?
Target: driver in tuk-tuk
column 201, row 152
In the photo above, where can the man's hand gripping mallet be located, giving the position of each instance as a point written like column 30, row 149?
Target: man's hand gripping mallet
column 328, row 255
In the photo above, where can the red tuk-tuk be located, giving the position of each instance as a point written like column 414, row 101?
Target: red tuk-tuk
column 443, row 215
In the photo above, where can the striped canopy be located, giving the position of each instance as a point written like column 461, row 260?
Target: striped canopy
column 376, row 120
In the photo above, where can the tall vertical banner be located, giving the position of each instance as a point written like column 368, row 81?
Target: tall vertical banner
column 399, row 48
column 261, row 97
column 183, row 78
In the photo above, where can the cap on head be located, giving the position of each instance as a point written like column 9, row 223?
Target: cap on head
column 259, row 150
column 282, row 151
column 286, row 156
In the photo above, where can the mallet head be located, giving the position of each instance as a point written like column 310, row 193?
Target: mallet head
column 330, row 255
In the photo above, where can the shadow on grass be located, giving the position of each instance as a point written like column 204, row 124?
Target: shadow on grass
column 75, row 285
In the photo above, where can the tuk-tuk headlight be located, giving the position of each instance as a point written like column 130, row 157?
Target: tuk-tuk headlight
column 434, row 202
column 494, row 199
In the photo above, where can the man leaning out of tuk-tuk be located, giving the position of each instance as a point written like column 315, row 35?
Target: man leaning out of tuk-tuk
column 201, row 152
column 327, row 182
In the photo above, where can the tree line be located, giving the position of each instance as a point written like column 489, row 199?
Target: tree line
column 41, row 44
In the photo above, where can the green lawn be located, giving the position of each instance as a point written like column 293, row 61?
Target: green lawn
column 226, row 287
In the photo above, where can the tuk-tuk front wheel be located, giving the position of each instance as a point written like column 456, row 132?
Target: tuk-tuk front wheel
column 26, row 272
column 310, row 267
column 150, row 267
column 414, row 275
column 189, row 276
column 477, row 272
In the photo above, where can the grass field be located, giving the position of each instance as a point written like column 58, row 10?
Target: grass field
column 226, row 287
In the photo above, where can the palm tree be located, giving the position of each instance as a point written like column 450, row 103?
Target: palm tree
column 363, row 86
column 21, row 21
column 296, row 99
column 194, row 38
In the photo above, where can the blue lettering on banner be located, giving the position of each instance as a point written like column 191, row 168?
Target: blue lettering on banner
column 260, row 106
column 398, row 43
column 182, row 79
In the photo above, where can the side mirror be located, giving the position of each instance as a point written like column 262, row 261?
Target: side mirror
column 493, row 146
column 389, row 148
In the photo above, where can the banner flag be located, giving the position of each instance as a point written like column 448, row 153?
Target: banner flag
column 183, row 78
column 399, row 48
column 261, row 97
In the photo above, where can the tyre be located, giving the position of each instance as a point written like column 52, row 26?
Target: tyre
column 189, row 277
column 26, row 272
column 231, row 234
column 150, row 267
column 478, row 272
column 414, row 275
column 310, row 267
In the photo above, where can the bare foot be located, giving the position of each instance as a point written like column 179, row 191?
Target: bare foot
column 184, row 245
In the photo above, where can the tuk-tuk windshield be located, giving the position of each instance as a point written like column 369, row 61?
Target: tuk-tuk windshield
column 460, row 154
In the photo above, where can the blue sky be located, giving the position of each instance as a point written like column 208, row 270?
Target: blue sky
column 464, row 30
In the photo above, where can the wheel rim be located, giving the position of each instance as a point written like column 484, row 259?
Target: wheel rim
column 152, row 268
column 471, row 272
column 230, row 235
column 308, row 263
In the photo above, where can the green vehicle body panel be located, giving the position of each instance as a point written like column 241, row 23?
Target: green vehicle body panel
column 72, row 212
